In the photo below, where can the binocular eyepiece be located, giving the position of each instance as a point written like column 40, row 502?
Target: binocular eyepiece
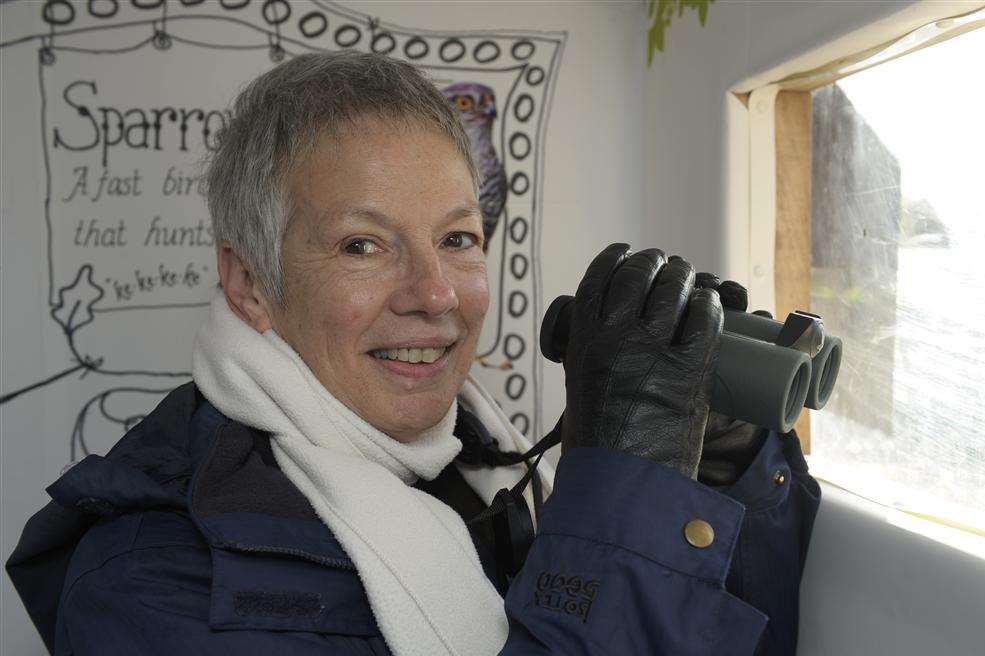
column 767, row 371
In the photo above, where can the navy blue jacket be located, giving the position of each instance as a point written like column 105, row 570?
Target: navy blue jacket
column 187, row 538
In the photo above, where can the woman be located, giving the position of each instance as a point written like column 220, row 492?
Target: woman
column 309, row 492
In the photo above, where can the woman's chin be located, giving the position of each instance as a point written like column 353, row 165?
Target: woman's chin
column 406, row 419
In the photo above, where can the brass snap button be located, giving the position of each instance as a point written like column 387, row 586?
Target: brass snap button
column 699, row 533
column 779, row 478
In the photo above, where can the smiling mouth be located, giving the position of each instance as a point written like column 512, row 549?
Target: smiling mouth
column 412, row 355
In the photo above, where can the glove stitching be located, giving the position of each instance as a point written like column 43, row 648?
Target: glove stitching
column 625, row 419
column 709, row 357
column 581, row 398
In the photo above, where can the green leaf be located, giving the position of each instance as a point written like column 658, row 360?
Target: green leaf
column 661, row 11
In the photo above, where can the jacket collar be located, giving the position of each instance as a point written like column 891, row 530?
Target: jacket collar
column 766, row 482
column 241, row 500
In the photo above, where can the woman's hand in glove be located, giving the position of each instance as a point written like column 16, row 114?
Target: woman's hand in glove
column 730, row 445
column 641, row 358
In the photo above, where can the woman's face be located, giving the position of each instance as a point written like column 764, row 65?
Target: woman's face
column 385, row 279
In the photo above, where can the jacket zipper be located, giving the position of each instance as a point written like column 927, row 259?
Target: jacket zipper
column 281, row 551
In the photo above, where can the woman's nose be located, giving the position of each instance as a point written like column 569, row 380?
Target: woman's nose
column 426, row 289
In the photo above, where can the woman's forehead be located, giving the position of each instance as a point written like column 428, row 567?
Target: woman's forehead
column 386, row 173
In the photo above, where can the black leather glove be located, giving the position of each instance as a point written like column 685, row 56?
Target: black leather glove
column 730, row 445
column 641, row 357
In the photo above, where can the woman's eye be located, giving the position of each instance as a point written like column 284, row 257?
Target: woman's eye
column 461, row 240
column 360, row 247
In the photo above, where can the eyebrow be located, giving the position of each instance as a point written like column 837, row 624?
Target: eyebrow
column 461, row 212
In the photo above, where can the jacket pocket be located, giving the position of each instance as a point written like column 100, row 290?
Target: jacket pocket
column 280, row 592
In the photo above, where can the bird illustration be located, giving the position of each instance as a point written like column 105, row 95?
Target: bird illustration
column 476, row 107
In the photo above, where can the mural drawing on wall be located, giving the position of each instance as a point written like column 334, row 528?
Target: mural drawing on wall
column 129, row 96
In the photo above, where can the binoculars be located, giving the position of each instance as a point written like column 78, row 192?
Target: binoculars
column 767, row 371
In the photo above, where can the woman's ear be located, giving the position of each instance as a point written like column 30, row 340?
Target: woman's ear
column 243, row 291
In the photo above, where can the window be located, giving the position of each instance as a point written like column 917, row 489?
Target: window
column 898, row 271
column 866, row 205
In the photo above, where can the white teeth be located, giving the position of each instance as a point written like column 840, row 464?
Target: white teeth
column 412, row 355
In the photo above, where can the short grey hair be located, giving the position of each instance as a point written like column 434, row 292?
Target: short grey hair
column 275, row 122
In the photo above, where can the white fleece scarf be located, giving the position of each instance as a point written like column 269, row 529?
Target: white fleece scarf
column 413, row 553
